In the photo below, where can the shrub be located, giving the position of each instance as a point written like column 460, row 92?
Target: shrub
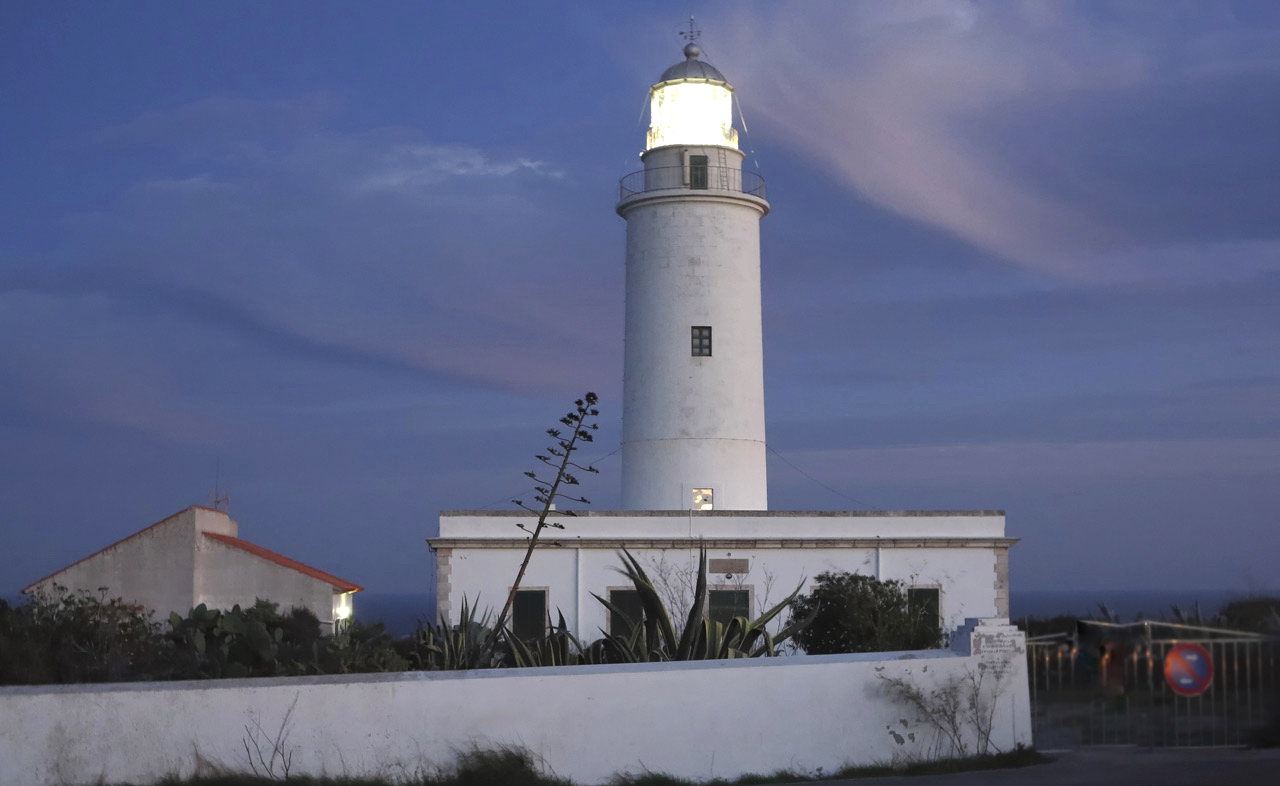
column 75, row 637
column 1256, row 613
column 853, row 613
column 67, row 637
column 506, row 766
column 262, row 642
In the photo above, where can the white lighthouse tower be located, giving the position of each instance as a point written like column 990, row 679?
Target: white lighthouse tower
column 693, row 430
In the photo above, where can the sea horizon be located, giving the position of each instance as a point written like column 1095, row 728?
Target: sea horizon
column 400, row 612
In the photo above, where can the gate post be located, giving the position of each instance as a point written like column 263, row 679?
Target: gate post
column 999, row 650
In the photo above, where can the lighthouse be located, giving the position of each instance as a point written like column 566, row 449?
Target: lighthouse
column 693, row 428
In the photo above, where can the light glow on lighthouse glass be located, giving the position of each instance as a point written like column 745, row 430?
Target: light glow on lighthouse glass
column 691, row 113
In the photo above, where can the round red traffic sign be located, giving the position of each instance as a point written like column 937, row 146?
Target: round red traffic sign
column 1188, row 668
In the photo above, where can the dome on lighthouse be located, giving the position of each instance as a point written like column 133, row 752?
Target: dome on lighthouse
column 692, row 104
column 692, row 69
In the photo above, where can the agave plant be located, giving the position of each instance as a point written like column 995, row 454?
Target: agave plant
column 654, row 639
column 558, row 648
column 467, row 645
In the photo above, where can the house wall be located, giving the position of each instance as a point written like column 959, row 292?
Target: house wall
column 227, row 576
column 966, row 576
column 170, row 566
column 694, row 720
column 964, row 555
column 153, row 568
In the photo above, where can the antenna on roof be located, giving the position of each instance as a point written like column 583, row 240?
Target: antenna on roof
column 218, row 500
column 694, row 34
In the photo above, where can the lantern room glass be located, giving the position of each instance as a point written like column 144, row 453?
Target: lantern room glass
column 691, row 113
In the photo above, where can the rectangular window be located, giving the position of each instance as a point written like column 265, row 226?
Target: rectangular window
column 529, row 614
column 925, row 607
column 628, row 601
column 704, row 499
column 725, row 604
column 698, row 170
column 701, row 336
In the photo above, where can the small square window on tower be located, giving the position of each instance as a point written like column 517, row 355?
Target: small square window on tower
column 704, row 499
column 701, row 341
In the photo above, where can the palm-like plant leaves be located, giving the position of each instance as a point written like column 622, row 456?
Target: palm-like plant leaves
column 470, row 644
column 467, row 645
column 654, row 639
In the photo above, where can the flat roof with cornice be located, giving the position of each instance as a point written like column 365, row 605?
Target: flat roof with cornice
column 779, row 528
column 732, row 513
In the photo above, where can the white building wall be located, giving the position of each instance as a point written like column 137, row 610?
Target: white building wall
column 227, row 576
column 965, row 576
column 154, row 568
column 694, row 720
column 956, row 553
column 171, row 566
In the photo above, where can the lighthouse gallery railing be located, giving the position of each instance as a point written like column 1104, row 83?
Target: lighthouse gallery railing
column 694, row 177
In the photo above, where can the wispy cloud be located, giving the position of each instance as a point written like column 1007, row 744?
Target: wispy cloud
column 250, row 137
column 339, row 244
column 898, row 101
column 407, row 167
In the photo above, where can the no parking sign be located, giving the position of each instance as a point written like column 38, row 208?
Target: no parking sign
column 1188, row 668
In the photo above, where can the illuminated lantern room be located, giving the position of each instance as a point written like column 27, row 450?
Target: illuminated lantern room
column 692, row 104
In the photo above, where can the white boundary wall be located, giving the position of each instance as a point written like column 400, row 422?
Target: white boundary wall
column 699, row 720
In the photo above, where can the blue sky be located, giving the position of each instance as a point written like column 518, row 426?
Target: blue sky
column 1021, row 256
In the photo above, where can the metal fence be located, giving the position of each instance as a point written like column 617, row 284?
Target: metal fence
column 693, row 177
column 1100, row 689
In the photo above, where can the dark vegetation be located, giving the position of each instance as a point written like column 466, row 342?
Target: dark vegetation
column 71, row 637
column 1257, row 613
column 852, row 613
column 1253, row 613
column 1022, row 757
column 75, row 637
column 515, row 767
column 501, row 767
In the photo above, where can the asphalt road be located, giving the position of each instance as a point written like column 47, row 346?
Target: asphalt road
column 1117, row 767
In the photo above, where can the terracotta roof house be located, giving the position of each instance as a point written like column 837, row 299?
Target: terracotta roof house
column 196, row 556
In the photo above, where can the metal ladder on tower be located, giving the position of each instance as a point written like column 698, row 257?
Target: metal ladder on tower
column 722, row 166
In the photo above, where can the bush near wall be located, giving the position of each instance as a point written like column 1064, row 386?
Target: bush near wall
column 263, row 642
column 855, row 613
column 69, row 637
column 75, row 637
column 94, row 639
